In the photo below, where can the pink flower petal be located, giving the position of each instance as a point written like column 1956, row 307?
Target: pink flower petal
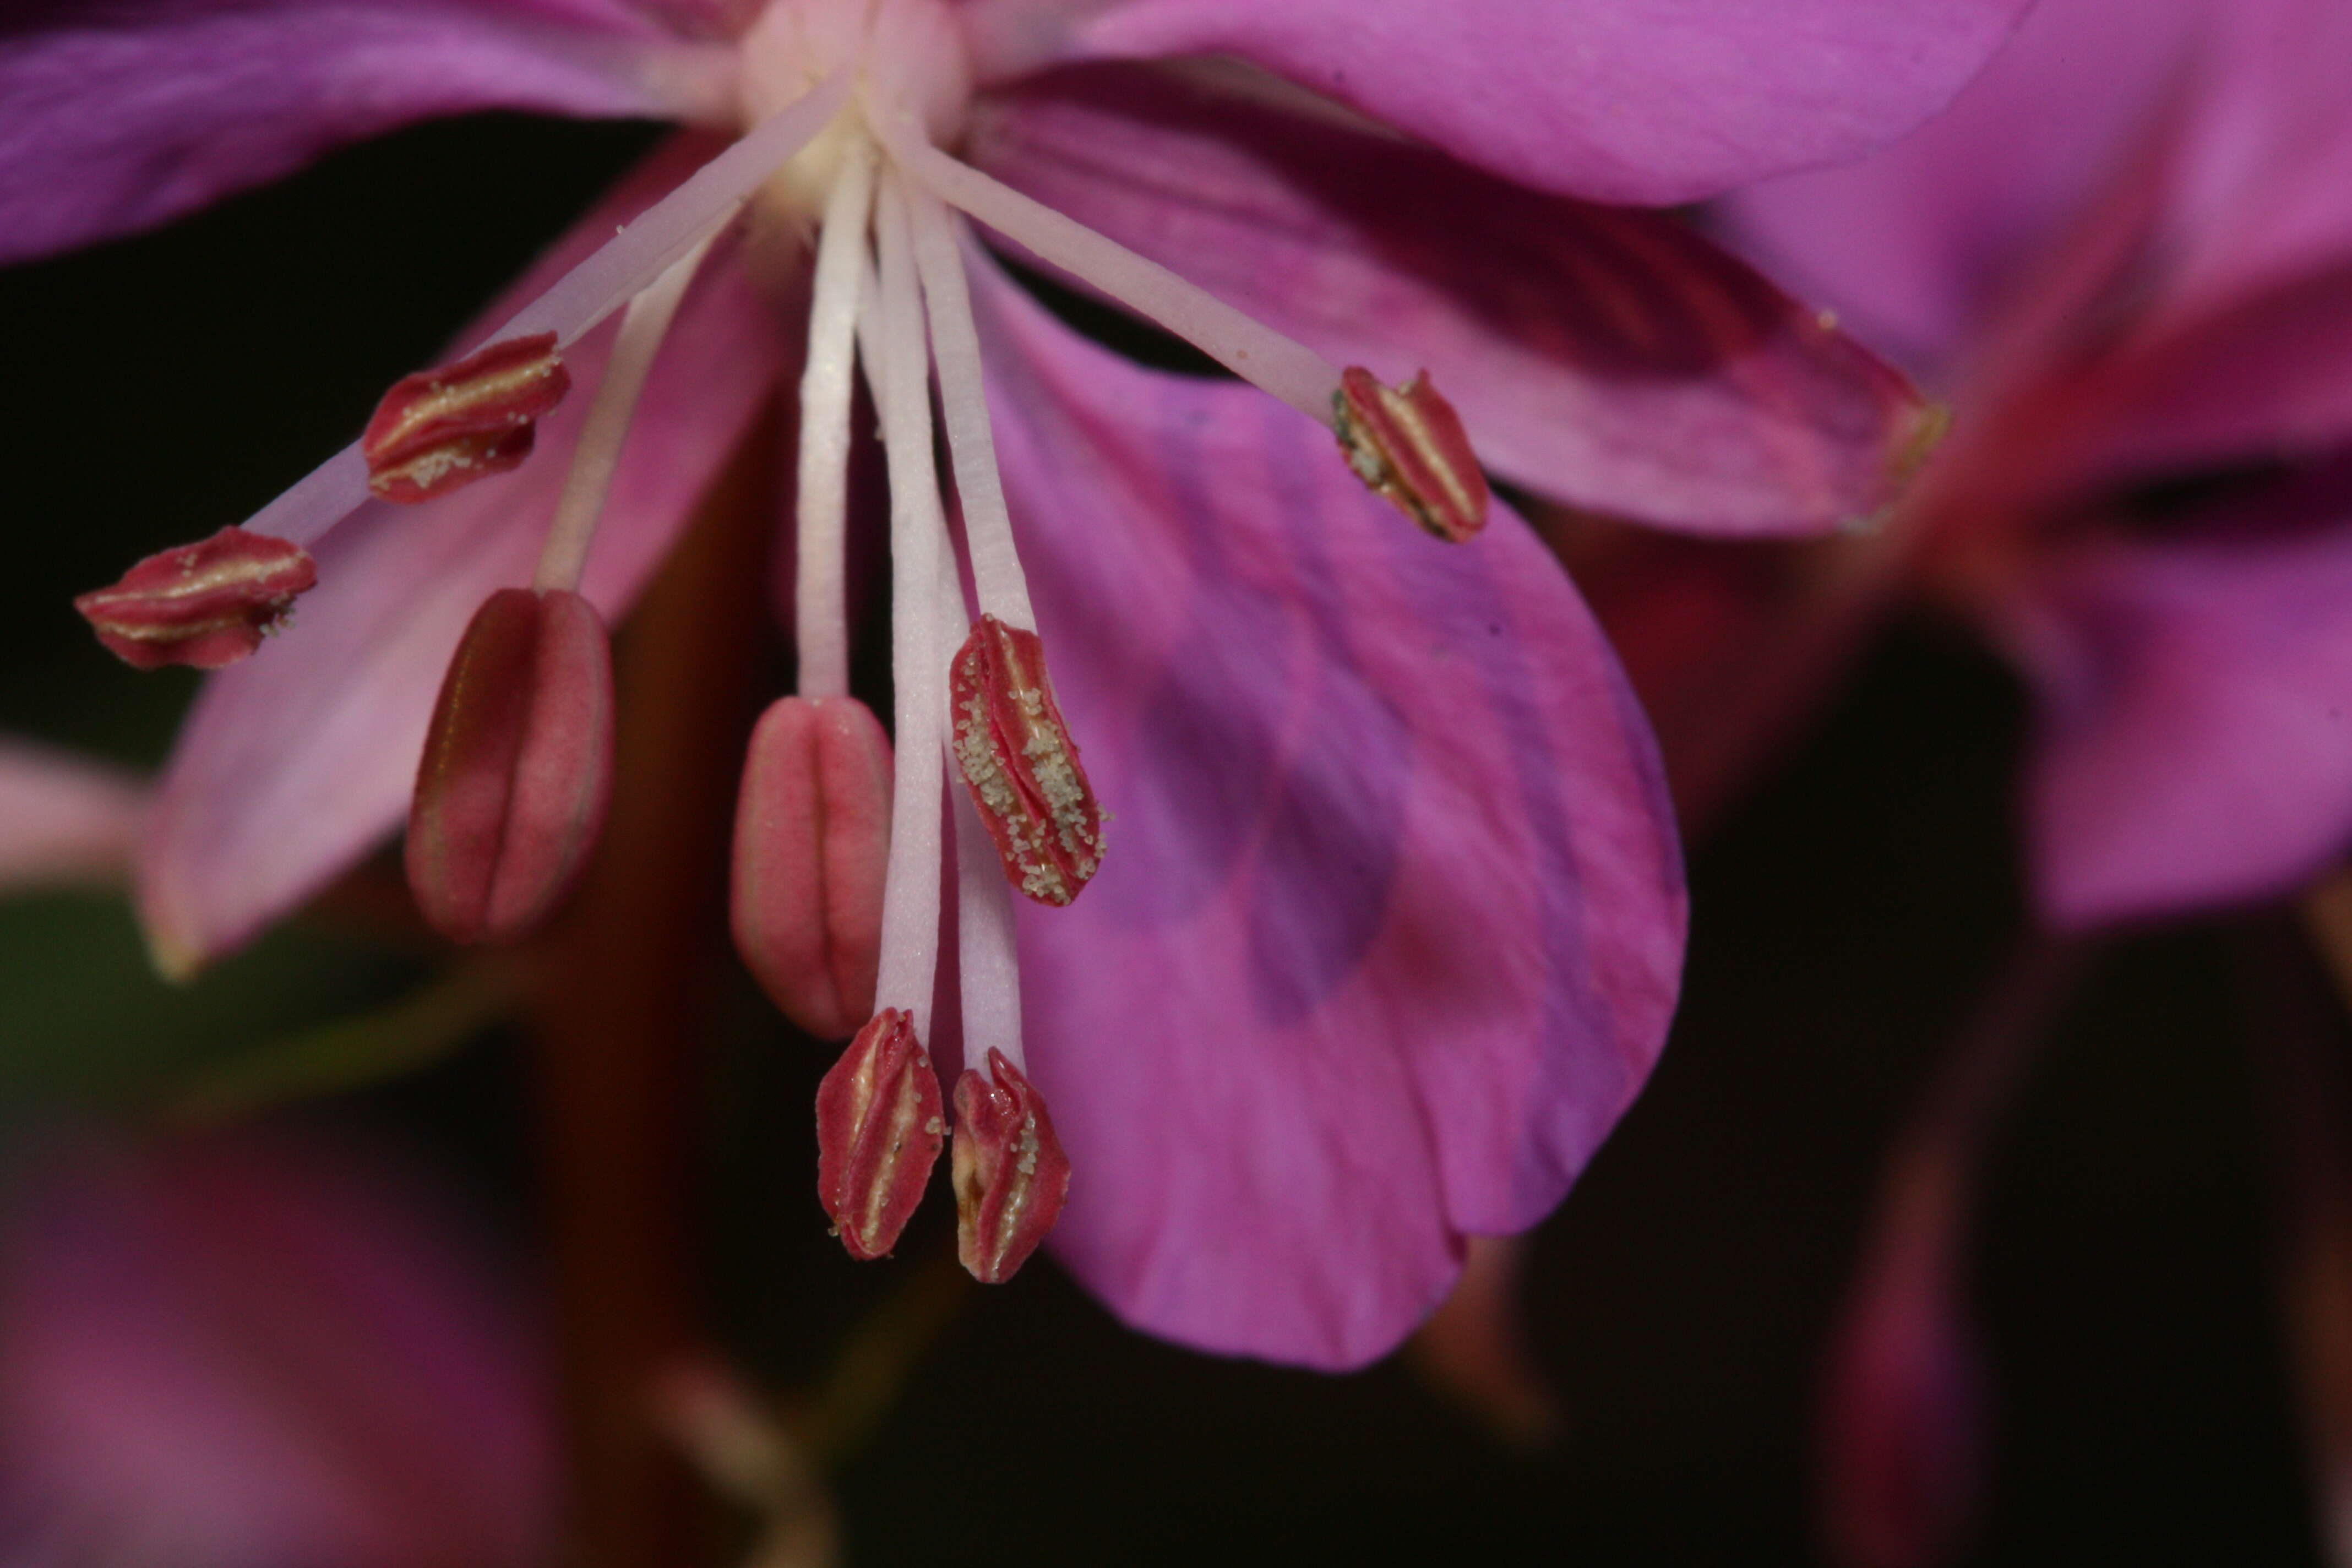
column 296, row 762
column 1615, row 359
column 63, row 818
column 117, row 118
column 1391, row 921
column 2196, row 722
column 257, row 1352
column 2269, row 378
column 1915, row 245
column 1624, row 101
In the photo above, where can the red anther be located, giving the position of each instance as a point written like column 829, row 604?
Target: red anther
column 1010, row 1174
column 812, row 846
column 1017, row 756
column 441, row 430
column 517, row 769
column 204, row 605
column 877, row 1133
column 1408, row 444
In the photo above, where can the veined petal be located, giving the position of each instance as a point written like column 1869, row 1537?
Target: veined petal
column 296, row 762
column 1392, row 921
column 63, row 818
column 116, row 117
column 1617, row 360
column 2195, row 733
column 1619, row 100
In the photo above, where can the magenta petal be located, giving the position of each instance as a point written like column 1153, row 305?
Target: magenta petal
column 257, row 1352
column 63, row 818
column 1625, row 101
column 115, row 118
column 2196, row 723
column 1916, row 244
column 2265, row 177
column 1615, row 359
column 2268, row 378
column 1391, row 918
column 296, row 762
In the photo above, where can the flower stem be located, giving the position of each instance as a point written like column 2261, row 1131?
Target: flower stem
column 618, row 1021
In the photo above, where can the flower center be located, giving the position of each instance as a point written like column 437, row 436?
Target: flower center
column 905, row 58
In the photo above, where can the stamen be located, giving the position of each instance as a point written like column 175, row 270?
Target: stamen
column 964, row 403
column 1407, row 444
column 910, row 900
column 1257, row 353
column 821, row 609
column 986, row 952
column 206, row 604
column 593, row 289
column 564, row 556
column 441, row 430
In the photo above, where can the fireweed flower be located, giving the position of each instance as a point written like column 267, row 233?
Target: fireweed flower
column 1387, row 931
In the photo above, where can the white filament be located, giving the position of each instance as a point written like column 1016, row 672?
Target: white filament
column 963, row 404
column 985, row 953
column 1288, row 369
column 910, row 896
column 821, row 608
column 588, row 293
column 644, row 324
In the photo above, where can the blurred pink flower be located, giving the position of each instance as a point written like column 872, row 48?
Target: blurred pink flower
column 2127, row 252
column 1393, row 927
column 257, row 1352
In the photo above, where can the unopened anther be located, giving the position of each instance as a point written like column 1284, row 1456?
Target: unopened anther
column 811, row 846
column 517, row 767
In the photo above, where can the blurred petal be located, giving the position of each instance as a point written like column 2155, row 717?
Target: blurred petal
column 1391, row 921
column 1904, row 1394
column 63, row 818
column 1625, row 101
column 115, row 116
column 1475, row 1350
column 1913, row 245
column 1617, row 360
column 296, row 762
column 2265, row 181
column 2196, row 721
column 1903, row 1405
column 2269, row 377
column 255, row 1353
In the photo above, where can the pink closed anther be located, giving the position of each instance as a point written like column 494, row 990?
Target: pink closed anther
column 812, row 846
column 517, row 767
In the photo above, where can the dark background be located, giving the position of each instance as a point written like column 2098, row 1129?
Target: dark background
column 1847, row 916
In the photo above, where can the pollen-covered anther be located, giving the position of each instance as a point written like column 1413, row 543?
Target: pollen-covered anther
column 1010, row 1176
column 439, row 430
column 1406, row 443
column 1017, row 758
column 205, row 605
column 878, row 1133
